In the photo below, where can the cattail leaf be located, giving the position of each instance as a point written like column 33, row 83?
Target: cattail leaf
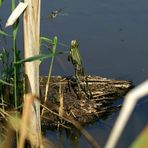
column 1, row 2
column 49, row 41
column 40, row 57
column 3, row 33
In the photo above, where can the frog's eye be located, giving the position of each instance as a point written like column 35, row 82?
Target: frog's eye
column 74, row 43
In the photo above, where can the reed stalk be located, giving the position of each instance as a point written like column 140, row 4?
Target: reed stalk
column 14, row 29
column 31, row 22
column 129, row 104
column 14, row 35
column 50, row 69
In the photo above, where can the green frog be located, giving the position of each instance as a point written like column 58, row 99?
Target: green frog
column 75, row 58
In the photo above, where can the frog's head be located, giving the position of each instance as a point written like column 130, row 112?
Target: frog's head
column 74, row 44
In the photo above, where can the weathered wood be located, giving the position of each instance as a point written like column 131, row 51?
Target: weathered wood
column 93, row 101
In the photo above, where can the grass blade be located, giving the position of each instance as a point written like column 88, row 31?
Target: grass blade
column 50, row 69
column 128, row 106
column 49, row 41
column 3, row 33
column 1, row 2
column 33, row 58
column 6, row 83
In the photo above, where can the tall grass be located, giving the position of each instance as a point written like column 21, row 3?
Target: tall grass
column 6, row 75
column 53, row 50
column 14, row 36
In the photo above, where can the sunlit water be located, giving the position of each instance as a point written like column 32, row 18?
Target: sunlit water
column 113, row 37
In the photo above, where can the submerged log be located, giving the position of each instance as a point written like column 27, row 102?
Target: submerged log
column 93, row 101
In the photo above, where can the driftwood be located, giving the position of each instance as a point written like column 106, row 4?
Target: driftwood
column 93, row 101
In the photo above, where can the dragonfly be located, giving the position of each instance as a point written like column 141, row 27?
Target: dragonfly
column 53, row 14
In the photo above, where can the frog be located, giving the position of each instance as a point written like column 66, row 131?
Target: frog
column 75, row 58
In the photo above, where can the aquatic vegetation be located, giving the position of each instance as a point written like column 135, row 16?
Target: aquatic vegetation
column 3, row 33
column 53, row 50
column 6, row 81
column 6, row 66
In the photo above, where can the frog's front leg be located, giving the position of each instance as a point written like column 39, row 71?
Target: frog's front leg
column 77, row 74
column 83, row 89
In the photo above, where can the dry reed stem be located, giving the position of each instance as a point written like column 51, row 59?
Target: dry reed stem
column 13, row 125
column 8, row 142
column 32, row 44
column 46, row 95
column 128, row 106
column 16, row 13
column 46, row 91
column 25, row 131
column 61, row 101
column 29, row 99
column 32, row 47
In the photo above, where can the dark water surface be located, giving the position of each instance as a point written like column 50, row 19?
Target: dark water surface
column 113, row 37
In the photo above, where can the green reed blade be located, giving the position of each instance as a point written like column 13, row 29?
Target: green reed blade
column 3, row 33
column 51, row 65
column 40, row 57
column 6, row 83
column 49, row 41
column 1, row 2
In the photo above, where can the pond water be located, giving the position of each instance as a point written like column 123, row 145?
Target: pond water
column 113, row 37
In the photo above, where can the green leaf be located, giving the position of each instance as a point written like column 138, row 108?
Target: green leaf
column 1, row 2
column 36, row 57
column 3, row 33
column 62, row 44
column 54, row 44
column 6, row 83
column 49, row 41
column 15, row 29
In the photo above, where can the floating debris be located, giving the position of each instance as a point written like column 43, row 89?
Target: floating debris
column 76, row 104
